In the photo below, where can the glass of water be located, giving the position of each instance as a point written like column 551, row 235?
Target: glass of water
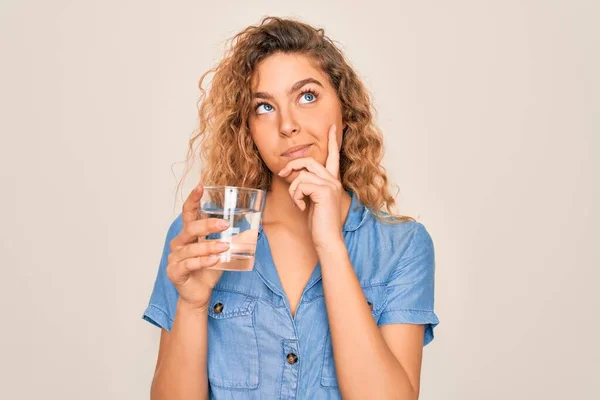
column 242, row 208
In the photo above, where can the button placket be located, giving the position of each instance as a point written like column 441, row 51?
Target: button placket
column 291, row 367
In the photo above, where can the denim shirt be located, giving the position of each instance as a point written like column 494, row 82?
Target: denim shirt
column 257, row 350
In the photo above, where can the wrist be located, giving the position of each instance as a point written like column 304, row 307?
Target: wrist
column 332, row 245
column 192, row 308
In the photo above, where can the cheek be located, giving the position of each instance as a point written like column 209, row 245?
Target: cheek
column 266, row 149
column 319, row 124
column 263, row 148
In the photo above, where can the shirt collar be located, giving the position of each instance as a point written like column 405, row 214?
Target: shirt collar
column 357, row 214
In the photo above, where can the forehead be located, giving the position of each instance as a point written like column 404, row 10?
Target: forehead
column 278, row 72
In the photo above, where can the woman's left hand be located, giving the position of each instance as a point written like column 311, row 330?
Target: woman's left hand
column 323, row 187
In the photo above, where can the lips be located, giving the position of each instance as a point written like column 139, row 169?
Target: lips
column 296, row 150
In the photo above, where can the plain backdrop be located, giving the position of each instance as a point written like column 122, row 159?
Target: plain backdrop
column 490, row 116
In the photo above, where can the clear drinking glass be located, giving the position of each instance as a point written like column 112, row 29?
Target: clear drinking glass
column 242, row 208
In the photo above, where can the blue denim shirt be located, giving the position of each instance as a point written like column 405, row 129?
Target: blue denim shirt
column 256, row 350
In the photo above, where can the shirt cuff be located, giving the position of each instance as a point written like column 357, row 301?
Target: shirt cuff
column 157, row 317
column 418, row 317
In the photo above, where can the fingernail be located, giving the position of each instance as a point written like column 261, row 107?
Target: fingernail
column 281, row 172
column 223, row 223
column 223, row 245
column 213, row 258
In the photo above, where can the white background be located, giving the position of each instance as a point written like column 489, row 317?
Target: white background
column 490, row 116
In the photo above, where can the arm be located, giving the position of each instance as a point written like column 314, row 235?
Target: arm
column 181, row 368
column 387, row 360
column 182, row 358
column 369, row 362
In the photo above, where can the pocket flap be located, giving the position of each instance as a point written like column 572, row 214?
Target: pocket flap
column 225, row 304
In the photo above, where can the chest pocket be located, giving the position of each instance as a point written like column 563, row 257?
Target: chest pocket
column 375, row 296
column 233, row 358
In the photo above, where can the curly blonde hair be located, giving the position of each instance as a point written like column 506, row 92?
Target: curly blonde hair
column 226, row 148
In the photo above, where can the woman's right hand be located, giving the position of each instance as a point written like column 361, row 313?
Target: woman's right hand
column 191, row 254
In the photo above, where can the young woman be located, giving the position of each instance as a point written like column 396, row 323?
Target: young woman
column 340, row 300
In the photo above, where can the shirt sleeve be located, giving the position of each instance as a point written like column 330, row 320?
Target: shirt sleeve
column 410, row 290
column 163, row 300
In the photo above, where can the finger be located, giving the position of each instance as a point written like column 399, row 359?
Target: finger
column 305, row 189
column 179, row 272
column 191, row 205
column 199, row 228
column 199, row 249
column 309, row 164
column 305, row 177
column 333, row 154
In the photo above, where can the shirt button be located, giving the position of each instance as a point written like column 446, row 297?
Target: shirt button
column 370, row 305
column 292, row 358
column 218, row 308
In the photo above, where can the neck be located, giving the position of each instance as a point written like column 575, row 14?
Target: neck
column 280, row 208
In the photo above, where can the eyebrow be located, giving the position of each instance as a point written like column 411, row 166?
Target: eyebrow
column 295, row 87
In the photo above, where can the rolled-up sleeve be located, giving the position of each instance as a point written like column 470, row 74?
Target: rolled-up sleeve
column 163, row 300
column 410, row 290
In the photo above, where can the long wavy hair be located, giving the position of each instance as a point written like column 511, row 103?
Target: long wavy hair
column 227, row 152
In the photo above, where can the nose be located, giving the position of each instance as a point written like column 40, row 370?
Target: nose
column 288, row 126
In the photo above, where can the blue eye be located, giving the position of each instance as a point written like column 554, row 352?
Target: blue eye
column 308, row 96
column 265, row 108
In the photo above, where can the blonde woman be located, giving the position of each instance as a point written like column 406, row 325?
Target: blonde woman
column 340, row 300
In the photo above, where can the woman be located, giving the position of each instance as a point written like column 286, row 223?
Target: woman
column 340, row 300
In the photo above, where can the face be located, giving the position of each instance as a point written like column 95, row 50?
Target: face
column 294, row 105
